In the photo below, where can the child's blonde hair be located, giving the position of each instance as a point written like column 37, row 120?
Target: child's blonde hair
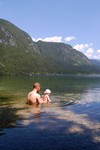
column 47, row 91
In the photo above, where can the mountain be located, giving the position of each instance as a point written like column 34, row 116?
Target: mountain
column 19, row 55
column 63, row 58
column 95, row 62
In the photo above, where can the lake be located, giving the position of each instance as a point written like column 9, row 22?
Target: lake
column 70, row 122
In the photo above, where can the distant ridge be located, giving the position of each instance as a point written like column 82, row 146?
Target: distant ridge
column 19, row 55
column 95, row 62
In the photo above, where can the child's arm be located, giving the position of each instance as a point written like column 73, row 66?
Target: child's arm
column 48, row 98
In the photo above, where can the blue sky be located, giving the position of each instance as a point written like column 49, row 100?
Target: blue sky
column 75, row 22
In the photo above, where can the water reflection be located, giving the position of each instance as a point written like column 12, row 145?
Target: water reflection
column 74, row 111
column 65, row 92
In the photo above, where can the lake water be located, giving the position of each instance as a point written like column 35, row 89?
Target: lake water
column 70, row 122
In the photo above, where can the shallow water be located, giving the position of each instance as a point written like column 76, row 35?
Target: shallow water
column 71, row 121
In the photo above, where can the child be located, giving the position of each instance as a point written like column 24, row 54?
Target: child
column 46, row 97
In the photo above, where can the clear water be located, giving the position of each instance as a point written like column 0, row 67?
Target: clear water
column 71, row 121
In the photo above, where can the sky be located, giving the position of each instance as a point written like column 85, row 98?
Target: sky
column 74, row 22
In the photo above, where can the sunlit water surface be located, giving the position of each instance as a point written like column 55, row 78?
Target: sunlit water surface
column 71, row 121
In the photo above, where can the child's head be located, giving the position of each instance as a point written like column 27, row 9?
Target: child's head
column 47, row 91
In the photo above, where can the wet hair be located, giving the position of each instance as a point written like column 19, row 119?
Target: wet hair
column 35, row 85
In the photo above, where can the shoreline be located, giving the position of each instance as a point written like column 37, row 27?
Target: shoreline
column 52, row 75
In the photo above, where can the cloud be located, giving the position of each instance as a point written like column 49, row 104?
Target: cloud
column 70, row 38
column 89, row 53
column 98, row 51
column 81, row 47
column 49, row 39
column 55, row 39
column 92, row 54
column 88, row 50
column 0, row 3
column 96, row 57
column 35, row 40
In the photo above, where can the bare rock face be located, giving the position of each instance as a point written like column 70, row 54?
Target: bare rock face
column 6, row 37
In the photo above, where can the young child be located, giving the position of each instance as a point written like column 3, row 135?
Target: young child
column 46, row 95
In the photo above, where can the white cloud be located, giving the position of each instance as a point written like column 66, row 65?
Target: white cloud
column 81, row 47
column 89, row 53
column 88, row 50
column 49, row 39
column 70, row 38
column 55, row 39
column 98, row 51
column 96, row 57
column 35, row 40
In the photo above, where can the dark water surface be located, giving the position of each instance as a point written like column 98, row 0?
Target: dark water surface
column 70, row 122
